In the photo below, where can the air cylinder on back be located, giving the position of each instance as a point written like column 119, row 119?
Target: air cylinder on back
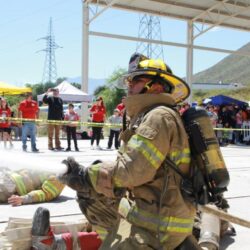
column 205, row 149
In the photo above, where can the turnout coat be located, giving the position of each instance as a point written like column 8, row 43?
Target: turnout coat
column 155, row 132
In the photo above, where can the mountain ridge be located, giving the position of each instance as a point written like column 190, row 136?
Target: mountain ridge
column 232, row 69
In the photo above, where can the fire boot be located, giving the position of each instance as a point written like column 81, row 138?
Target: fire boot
column 42, row 236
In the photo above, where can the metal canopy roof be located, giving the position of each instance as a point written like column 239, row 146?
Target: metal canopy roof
column 227, row 13
column 234, row 14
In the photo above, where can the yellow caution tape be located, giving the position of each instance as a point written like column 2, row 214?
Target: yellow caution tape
column 60, row 122
column 233, row 129
column 89, row 124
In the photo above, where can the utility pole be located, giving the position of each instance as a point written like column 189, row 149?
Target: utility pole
column 49, row 70
column 150, row 28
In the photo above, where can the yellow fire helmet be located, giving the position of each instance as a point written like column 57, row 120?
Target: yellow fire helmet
column 156, row 69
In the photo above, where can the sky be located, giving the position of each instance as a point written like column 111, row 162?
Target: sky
column 23, row 23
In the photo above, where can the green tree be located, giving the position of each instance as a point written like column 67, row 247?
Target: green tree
column 77, row 85
column 100, row 89
column 60, row 80
column 13, row 102
column 40, row 88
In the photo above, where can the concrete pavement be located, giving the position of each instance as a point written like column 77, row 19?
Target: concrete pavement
column 66, row 208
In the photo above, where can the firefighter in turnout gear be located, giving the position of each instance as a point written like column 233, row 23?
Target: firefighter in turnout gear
column 158, row 215
column 27, row 186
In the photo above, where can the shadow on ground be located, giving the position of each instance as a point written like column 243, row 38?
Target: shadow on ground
column 62, row 198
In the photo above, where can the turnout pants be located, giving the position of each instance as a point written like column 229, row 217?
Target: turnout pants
column 117, row 233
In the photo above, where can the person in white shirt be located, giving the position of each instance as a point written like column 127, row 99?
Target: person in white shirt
column 114, row 131
column 71, row 116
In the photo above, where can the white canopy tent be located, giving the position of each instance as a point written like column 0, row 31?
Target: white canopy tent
column 69, row 93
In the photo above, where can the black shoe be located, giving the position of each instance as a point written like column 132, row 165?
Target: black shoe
column 35, row 150
column 68, row 149
column 77, row 149
column 24, row 148
column 51, row 149
column 59, row 148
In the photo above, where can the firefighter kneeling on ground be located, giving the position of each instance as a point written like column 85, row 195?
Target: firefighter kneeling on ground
column 139, row 189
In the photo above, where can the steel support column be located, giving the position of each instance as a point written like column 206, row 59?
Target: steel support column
column 85, row 57
column 85, row 47
column 189, row 66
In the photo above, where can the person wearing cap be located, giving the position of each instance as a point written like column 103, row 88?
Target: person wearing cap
column 55, row 113
column 140, row 179
column 115, row 119
column 28, row 109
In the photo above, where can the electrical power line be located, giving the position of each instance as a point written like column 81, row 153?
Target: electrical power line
column 31, row 13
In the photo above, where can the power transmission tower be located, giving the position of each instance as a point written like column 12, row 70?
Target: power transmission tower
column 150, row 28
column 49, row 70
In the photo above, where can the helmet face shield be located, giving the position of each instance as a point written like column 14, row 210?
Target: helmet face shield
column 125, row 80
column 120, row 83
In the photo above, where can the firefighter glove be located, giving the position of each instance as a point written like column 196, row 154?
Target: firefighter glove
column 75, row 176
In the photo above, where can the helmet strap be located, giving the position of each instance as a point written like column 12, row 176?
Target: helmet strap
column 147, row 86
column 165, row 83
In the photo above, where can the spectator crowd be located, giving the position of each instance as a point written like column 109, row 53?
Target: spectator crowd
column 26, row 128
column 228, row 120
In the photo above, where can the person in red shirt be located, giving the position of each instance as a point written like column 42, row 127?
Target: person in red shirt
column 28, row 109
column 5, row 112
column 121, row 106
column 98, row 112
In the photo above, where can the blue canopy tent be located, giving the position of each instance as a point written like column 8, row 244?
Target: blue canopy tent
column 226, row 100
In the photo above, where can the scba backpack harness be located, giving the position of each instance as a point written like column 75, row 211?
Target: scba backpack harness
column 208, row 177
